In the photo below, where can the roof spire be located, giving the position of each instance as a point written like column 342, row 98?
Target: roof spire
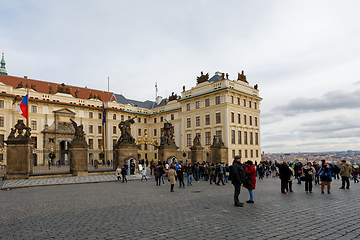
column 3, row 69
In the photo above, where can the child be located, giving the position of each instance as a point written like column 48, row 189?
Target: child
column 143, row 173
column 118, row 173
column 355, row 174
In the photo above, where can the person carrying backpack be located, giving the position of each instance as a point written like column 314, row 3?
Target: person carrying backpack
column 325, row 176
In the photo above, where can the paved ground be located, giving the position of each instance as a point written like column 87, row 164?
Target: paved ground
column 140, row 210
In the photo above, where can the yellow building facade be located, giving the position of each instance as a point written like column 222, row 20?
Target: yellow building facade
column 227, row 109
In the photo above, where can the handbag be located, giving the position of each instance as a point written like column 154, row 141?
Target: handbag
column 227, row 174
column 302, row 177
column 248, row 181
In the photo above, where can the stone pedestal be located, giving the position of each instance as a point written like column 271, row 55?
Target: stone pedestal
column 19, row 159
column 197, row 154
column 166, row 151
column 218, row 154
column 78, row 158
column 123, row 152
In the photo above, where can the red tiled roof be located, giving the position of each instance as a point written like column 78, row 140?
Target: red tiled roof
column 43, row 87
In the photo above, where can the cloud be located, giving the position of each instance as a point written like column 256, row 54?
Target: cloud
column 341, row 99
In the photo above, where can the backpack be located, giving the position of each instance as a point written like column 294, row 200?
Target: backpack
column 218, row 169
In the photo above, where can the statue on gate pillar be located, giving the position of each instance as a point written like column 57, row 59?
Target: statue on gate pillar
column 125, row 128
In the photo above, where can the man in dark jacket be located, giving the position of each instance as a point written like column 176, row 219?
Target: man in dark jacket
column 237, row 177
column 285, row 175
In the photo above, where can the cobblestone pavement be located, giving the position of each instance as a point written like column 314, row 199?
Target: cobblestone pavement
column 141, row 210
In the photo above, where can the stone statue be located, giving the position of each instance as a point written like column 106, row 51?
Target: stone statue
column 242, row 77
column 167, row 134
column 214, row 141
column 227, row 76
column 184, row 88
column 217, row 143
column 79, row 131
column 256, row 86
column 51, row 91
column 77, row 93
column 196, row 141
column 125, row 128
column 33, row 87
column 202, row 78
column 20, row 127
column 173, row 97
column 90, row 96
column 63, row 89
column 223, row 76
column 20, row 85
column 12, row 133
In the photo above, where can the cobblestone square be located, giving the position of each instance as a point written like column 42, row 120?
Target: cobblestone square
column 141, row 210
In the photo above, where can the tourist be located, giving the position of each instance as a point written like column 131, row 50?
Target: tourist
column 180, row 176
column 159, row 170
column 171, row 177
column 143, row 174
column 325, row 176
column 261, row 171
column 212, row 173
column 317, row 168
column 345, row 172
column 123, row 173
column 220, row 174
column 308, row 174
column 285, row 174
column 118, row 173
column 297, row 170
column 250, row 171
column 237, row 177
column 189, row 172
column 132, row 168
column 355, row 175
column 335, row 172
column 289, row 188
column 227, row 173
column 206, row 171
column 152, row 166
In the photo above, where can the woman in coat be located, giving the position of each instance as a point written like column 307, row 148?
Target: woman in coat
column 308, row 175
column 118, row 173
column 171, row 177
column 250, row 171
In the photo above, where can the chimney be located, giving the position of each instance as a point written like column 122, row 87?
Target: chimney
column 158, row 100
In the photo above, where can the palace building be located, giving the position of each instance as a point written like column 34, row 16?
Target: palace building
column 217, row 106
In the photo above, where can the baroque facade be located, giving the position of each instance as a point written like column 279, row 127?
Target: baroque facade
column 220, row 107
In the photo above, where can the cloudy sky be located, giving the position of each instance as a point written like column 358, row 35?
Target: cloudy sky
column 304, row 55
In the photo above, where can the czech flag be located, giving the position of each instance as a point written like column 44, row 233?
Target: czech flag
column 22, row 108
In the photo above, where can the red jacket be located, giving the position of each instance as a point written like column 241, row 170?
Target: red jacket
column 250, row 171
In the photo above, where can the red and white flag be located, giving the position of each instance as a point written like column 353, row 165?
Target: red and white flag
column 22, row 108
column 156, row 86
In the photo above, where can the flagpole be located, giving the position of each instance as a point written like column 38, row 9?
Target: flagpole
column 27, row 92
column 103, row 124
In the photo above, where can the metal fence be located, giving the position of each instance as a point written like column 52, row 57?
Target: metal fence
column 43, row 164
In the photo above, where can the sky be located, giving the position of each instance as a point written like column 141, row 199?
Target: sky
column 304, row 55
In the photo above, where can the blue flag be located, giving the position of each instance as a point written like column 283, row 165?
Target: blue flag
column 104, row 115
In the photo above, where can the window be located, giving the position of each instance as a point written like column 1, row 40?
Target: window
column 99, row 115
column 114, row 117
column 198, row 121
column 122, row 117
column 218, row 135
column 1, row 103
column 99, row 143
column 207, row 119
column 155, row 155
column 172, row 117
column 51, row 140
column 129, row 117
column 35, row 141
column 91, row 143
column 257, row 153
column 245, row 153
column 233, row 153
column 139, row 131
column 244, row 103
column 232, row 136
column 238, row 101
column 218, row 118
column 188, row 139
column 99, row 129
column 188, row 122
column 255, row 105
column 188, row 107
column 239, row 137
column 161, row 119
column 90, row 115
column 251, row 138
column 207, row 102
column 249, row 104
column 114, row 129
column 145, row 147
column 154, row 120
column 91, row 129
column 251, row 153
column 250, row 120
column 114, row 142
column 245, row 119
column 155, row 132
column 245, row 137
column 232, row 99
column 1, row 121
column 197, row 104
column 144, row 120
column 207, row 138
column 217, row 100
column 256, row 139
column 239, row 117
column 139, row 119
column 33, row 109
column 255, row 120
column 232, row 117
column 2, row 139
column 146, row 156
column 240, row 153
column 33, row 125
